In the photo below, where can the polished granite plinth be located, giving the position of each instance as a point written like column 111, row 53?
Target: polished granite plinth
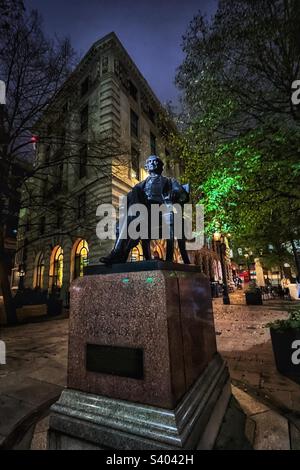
column 86, row 421
column 164, row 315
column 143, row 367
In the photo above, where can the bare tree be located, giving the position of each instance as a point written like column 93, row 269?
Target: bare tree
column 33, row 69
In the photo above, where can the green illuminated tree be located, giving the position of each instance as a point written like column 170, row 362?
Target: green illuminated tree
column 241, row 142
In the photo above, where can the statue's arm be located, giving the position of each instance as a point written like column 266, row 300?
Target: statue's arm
column 179, row 193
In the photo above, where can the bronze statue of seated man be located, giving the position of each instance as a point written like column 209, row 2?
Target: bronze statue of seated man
column 155, row 189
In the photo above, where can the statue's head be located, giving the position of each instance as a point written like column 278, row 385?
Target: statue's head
column 154, row 165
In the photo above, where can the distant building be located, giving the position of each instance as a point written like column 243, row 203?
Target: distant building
column 93, row 142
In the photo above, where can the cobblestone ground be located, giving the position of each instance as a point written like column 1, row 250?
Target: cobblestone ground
column 246, row 344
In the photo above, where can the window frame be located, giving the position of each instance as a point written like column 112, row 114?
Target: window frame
column 84, row 118
column 134, row 123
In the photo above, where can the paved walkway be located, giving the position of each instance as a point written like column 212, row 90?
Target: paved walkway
column 266, row 403
column 246, row 344
column 270, row 401
column 33, row 377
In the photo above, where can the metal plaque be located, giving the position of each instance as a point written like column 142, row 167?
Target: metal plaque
column 115, row 360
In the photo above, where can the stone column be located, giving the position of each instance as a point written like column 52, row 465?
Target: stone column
column 260, row 279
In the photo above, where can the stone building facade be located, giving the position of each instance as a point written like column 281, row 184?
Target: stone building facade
column 92, row 144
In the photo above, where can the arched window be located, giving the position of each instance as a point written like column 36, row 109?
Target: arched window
column 157, row 250
column 56, row 267
column 136, row 254
column 80, row 254
column 39, row 268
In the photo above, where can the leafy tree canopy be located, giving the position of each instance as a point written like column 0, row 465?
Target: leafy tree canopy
column 241, row 140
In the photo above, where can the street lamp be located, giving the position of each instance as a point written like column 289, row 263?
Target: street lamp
column 219, row 239
column 21, row 276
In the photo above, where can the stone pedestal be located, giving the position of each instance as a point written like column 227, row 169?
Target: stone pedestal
column 143, row 369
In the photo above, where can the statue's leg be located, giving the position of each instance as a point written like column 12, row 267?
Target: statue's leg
column 183, row 252
column 120, row 251
column 123, row 244
column 170, row 250
column 146, row 249
column 170, row 241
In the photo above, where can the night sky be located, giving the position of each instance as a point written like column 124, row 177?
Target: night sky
column 150, row 31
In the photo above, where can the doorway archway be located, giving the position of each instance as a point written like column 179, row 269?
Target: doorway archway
column 79, row 258
column 56, row 267
column 39, row 267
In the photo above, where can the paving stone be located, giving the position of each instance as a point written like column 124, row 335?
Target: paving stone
column 40, row 436
column 39, row 441
column 232, row 432
column 249, row 351
column 281, row 398
column 295, row 397
column 295, row 437
column 12, row 411
column 278, row 382
column 250, row 428
column 249, row 404
column 51, row 374
column 24, row 440
column 272, row 431
column 42, row 425
column 29, row 390
column 250, row 378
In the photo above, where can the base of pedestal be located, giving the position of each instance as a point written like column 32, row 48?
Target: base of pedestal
column 86, row 421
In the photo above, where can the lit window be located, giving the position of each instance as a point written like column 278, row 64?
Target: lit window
column 136, row 254
column 39, row 271
column 56, row 267
column 81, row 258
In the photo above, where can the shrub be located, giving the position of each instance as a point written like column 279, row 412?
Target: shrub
column 292, row 322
